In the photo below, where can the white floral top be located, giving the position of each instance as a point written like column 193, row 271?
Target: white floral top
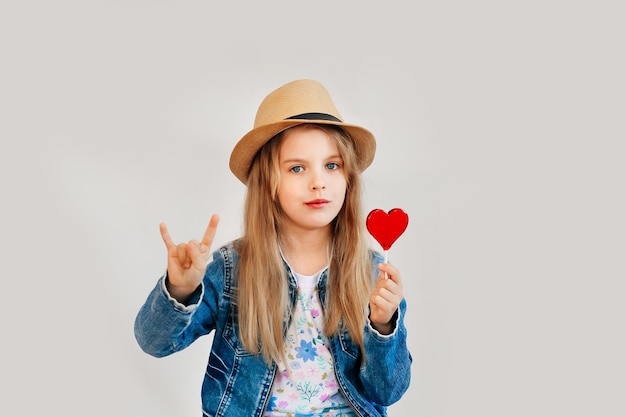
column 307, row 386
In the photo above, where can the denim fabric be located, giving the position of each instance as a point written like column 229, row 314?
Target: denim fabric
column 238, row 383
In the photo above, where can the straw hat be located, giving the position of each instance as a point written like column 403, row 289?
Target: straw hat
column 295, row 103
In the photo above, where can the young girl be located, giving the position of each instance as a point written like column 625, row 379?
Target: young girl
column 308, row 321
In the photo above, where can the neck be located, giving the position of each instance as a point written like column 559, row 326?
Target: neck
column 307, row 252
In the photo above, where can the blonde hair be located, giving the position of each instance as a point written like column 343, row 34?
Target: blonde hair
column 263, row 288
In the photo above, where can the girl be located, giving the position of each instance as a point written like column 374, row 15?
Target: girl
column 305, row 322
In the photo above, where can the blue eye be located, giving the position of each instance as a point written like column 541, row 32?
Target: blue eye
column 297, row 168
column 332, row 165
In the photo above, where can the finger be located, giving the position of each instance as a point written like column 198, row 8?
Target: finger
column 389, row 271
column 167, row 239
column 382, row 303
column 181, row 252
column 381, row 311
column 209, row 234
column 388, row 289
column 387, row 297
column 197, row 258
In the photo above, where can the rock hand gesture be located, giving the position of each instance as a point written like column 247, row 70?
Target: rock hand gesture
column 187, row 262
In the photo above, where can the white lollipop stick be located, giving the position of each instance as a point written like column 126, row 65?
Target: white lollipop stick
column 386, row 261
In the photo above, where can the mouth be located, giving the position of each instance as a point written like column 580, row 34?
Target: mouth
column 319, row 203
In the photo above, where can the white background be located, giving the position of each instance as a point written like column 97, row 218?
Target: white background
column 500, row 130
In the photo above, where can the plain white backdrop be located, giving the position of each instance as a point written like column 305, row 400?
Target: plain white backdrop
column 500, row 130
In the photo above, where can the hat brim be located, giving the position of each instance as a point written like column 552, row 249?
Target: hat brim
column 245, row 150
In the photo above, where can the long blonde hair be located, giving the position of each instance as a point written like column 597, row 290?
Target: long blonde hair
column 263, row 288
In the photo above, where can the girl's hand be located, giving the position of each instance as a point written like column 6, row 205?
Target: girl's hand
column 187, row 262
column 385, row 298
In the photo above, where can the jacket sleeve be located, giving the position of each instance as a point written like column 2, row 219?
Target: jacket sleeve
column 164, row 326
column 386, row 371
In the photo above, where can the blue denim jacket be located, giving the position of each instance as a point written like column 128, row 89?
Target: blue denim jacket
column 238, row 383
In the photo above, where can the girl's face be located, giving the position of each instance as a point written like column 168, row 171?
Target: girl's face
column 312, row 186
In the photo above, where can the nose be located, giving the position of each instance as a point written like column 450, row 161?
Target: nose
column 317, row 181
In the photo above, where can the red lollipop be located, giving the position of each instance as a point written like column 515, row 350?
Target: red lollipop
column 386, row 228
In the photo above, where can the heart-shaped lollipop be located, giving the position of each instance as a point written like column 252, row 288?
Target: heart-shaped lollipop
column 386, row 228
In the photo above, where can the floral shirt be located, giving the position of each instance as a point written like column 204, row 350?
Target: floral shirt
column 306, row 386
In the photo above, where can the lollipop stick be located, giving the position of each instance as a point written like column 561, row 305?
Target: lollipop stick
column 386, row 261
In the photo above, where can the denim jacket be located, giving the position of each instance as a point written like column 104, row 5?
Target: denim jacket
column 238, row 383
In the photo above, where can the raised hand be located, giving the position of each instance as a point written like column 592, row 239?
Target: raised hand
column 187, row 262
column 385, row 298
